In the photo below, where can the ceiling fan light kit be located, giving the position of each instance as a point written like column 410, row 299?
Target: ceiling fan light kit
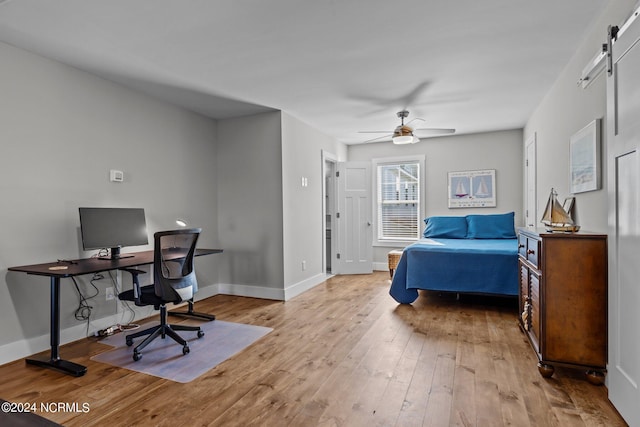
column 403, row 134
column 404, row 139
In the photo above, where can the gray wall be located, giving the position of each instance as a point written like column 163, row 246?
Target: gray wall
column 249, row 169
column 268, row 222
column 566, row 109
column 501, row 151
column 302, row 206
column 61, row 131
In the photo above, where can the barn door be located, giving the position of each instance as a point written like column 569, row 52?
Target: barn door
column 623, row 165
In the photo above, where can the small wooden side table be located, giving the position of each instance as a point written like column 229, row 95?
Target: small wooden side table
column 394, row 258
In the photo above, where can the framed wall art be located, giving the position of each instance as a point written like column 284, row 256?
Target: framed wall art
column 584, row 159
column 472, row 189
column 568, row 206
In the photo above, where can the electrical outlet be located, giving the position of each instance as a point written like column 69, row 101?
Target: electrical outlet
column 109, row 293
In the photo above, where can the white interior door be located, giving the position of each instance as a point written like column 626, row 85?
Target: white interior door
column 530, row 165
column 354, row 254
column 623, row 166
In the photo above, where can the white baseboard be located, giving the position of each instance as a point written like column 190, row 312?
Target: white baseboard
column 251, row 291
column 305, row 285
column 380, row 266
column 206, row 292
column 272, row 293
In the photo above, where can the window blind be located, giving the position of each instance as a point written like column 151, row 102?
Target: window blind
column 398, row 201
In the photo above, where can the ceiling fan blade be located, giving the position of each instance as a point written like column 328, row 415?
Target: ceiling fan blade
column 388, row 135
column 414, row 119
column 434, row 131
column 411, row 97
column 402, row 101
column 373, row 131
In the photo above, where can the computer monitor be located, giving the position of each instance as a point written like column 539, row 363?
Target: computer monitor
column 112, row 228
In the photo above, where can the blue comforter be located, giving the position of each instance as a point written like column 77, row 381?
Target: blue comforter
column 481, row 266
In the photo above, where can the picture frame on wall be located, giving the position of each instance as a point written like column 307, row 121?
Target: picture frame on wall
column 584, row 159
column 472, row 189
column 568, row 205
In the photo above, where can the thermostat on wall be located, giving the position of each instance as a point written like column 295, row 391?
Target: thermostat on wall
column 116, row 176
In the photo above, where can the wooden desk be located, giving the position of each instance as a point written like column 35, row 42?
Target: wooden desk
column 79, row 267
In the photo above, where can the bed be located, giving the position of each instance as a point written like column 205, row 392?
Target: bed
column 470, row 254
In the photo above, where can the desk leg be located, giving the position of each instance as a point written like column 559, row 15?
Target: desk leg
column 54, row 362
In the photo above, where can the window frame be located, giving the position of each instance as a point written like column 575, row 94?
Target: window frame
column 376, row 163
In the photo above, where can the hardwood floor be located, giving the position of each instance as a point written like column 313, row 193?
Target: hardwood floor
column 342, row 354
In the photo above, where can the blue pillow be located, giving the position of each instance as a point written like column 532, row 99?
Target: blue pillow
column 446, row 227
column 498, row 226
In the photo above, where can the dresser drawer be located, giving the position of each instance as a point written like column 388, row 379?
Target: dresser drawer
column 522, row 245
column 533, row 249
column 529, row 248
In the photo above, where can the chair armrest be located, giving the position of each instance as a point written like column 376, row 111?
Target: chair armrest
column 136, row 283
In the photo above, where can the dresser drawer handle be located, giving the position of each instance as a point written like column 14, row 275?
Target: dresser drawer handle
column 520, row 246
column 531, row 252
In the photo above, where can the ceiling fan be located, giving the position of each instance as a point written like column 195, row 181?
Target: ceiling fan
column 404, row 134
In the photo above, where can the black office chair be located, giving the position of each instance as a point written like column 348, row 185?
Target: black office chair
column 174, row 281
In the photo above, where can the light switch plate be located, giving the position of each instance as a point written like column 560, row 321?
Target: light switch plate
column 116, row 176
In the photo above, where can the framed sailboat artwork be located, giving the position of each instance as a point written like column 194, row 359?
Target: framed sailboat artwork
column 584, row 159
column 472, row 189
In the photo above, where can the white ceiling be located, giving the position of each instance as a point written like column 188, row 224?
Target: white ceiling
column 341, row 66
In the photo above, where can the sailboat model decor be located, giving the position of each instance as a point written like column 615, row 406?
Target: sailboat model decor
column 555, row 218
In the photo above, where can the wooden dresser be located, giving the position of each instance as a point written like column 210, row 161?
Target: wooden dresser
column 563, row 299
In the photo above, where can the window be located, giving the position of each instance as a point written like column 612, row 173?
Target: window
column 399, row 196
